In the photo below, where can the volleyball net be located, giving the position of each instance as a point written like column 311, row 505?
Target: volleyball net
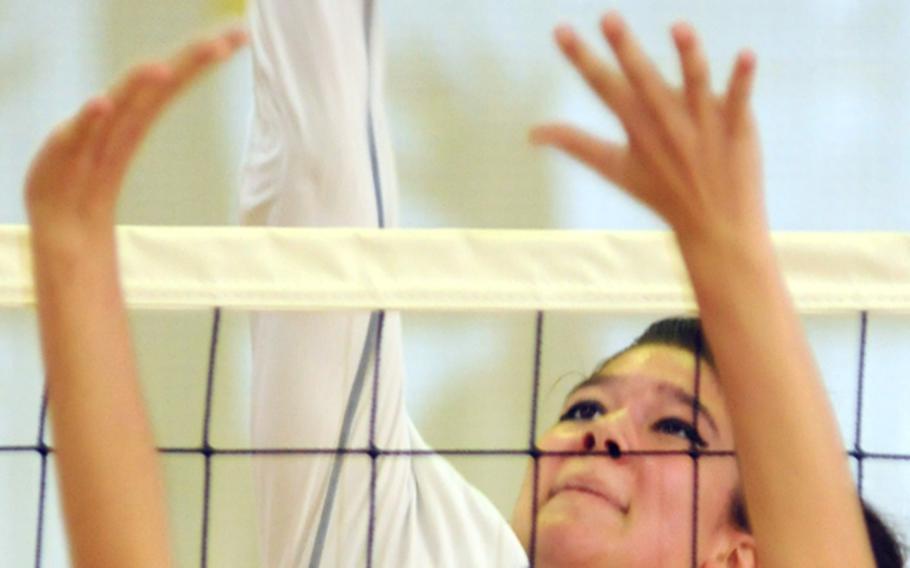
column 512, row 312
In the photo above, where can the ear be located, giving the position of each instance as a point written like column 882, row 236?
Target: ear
column 737, row 551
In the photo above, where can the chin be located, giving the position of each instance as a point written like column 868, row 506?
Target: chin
column 573, row 540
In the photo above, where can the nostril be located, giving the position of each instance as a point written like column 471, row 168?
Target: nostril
column 613, row 449
column 588, row 442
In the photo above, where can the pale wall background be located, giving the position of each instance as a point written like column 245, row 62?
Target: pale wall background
column 464, row 81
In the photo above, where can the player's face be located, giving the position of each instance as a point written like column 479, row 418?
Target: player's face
column 634, row 510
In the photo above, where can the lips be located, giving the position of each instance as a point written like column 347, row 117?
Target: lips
column 594, row 488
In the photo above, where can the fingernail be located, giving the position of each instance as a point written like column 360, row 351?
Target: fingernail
column 222, row 49
column 564, row 33
column 747, row 58
column 538, row 136
column 238, row 36
column 680, row 32
column 611, row 23
column 612, row 18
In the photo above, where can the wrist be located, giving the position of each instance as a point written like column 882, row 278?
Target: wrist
column 60, row 244
column 76, row 266
column 727, row 244
column 715, row 261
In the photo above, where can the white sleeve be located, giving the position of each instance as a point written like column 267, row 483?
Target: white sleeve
column 319, row 152
column 319, row 155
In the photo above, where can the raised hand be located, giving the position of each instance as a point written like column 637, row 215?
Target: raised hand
column 106, row 458
column 73, row 184
column 691, row 156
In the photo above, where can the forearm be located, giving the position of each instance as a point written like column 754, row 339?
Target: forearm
column 113, row 495
column 797, row 483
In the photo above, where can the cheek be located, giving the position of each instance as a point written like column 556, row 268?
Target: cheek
column 667, row 485
column 718, row 479
column 664, row 512
column 667, row 506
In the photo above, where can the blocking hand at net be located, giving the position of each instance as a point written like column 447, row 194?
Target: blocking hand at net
column 692, row 156
column 75, row 180
column 104, row 447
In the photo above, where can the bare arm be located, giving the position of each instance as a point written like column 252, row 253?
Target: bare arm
column 694, row 158
column 113, row 493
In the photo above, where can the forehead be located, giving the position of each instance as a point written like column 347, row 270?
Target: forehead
column 661, row 369
column 663, row 363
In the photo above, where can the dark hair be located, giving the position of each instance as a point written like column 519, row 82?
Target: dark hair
column 886, row 546
column 686, row 333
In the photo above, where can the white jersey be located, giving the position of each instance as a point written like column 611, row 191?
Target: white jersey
column 319, row 155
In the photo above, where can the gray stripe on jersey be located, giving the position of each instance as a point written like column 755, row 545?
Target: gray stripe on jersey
column 356, row 393
column 360, row 378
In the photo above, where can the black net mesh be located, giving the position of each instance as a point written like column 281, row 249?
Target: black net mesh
column 209, row 453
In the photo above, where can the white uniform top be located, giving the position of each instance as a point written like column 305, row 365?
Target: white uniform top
column 319, row 155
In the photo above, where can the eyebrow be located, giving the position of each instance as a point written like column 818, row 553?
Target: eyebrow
column 676, row 392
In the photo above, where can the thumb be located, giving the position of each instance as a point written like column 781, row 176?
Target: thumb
column 608, row 159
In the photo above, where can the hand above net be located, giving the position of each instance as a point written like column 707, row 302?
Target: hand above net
column 109, row 476
column 693, row 157
column 75, row 180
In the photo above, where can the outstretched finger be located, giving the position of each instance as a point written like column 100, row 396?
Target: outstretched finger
column 140, row 84
column 604, row 157
column 191, row 62
column 151, row 86
column 186, row 67
column 182, row 70
column 696, row 75
column 142, row 108
column 604, row 80
column 640, row 71
column 197, row 57
column 76, row 134
column 739, row 91
column 89, row 137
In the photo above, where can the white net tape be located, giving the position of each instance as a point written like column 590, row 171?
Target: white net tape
column 463, row 269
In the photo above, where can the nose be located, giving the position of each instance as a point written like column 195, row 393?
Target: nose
column 613, row 449
column 610, row 445
column 608, row 434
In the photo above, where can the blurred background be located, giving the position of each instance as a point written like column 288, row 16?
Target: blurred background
column 464, row 81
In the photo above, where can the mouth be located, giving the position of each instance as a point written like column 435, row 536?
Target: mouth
column 592, row 490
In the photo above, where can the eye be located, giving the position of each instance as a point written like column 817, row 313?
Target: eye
column 584, row 410
column 681, row 429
